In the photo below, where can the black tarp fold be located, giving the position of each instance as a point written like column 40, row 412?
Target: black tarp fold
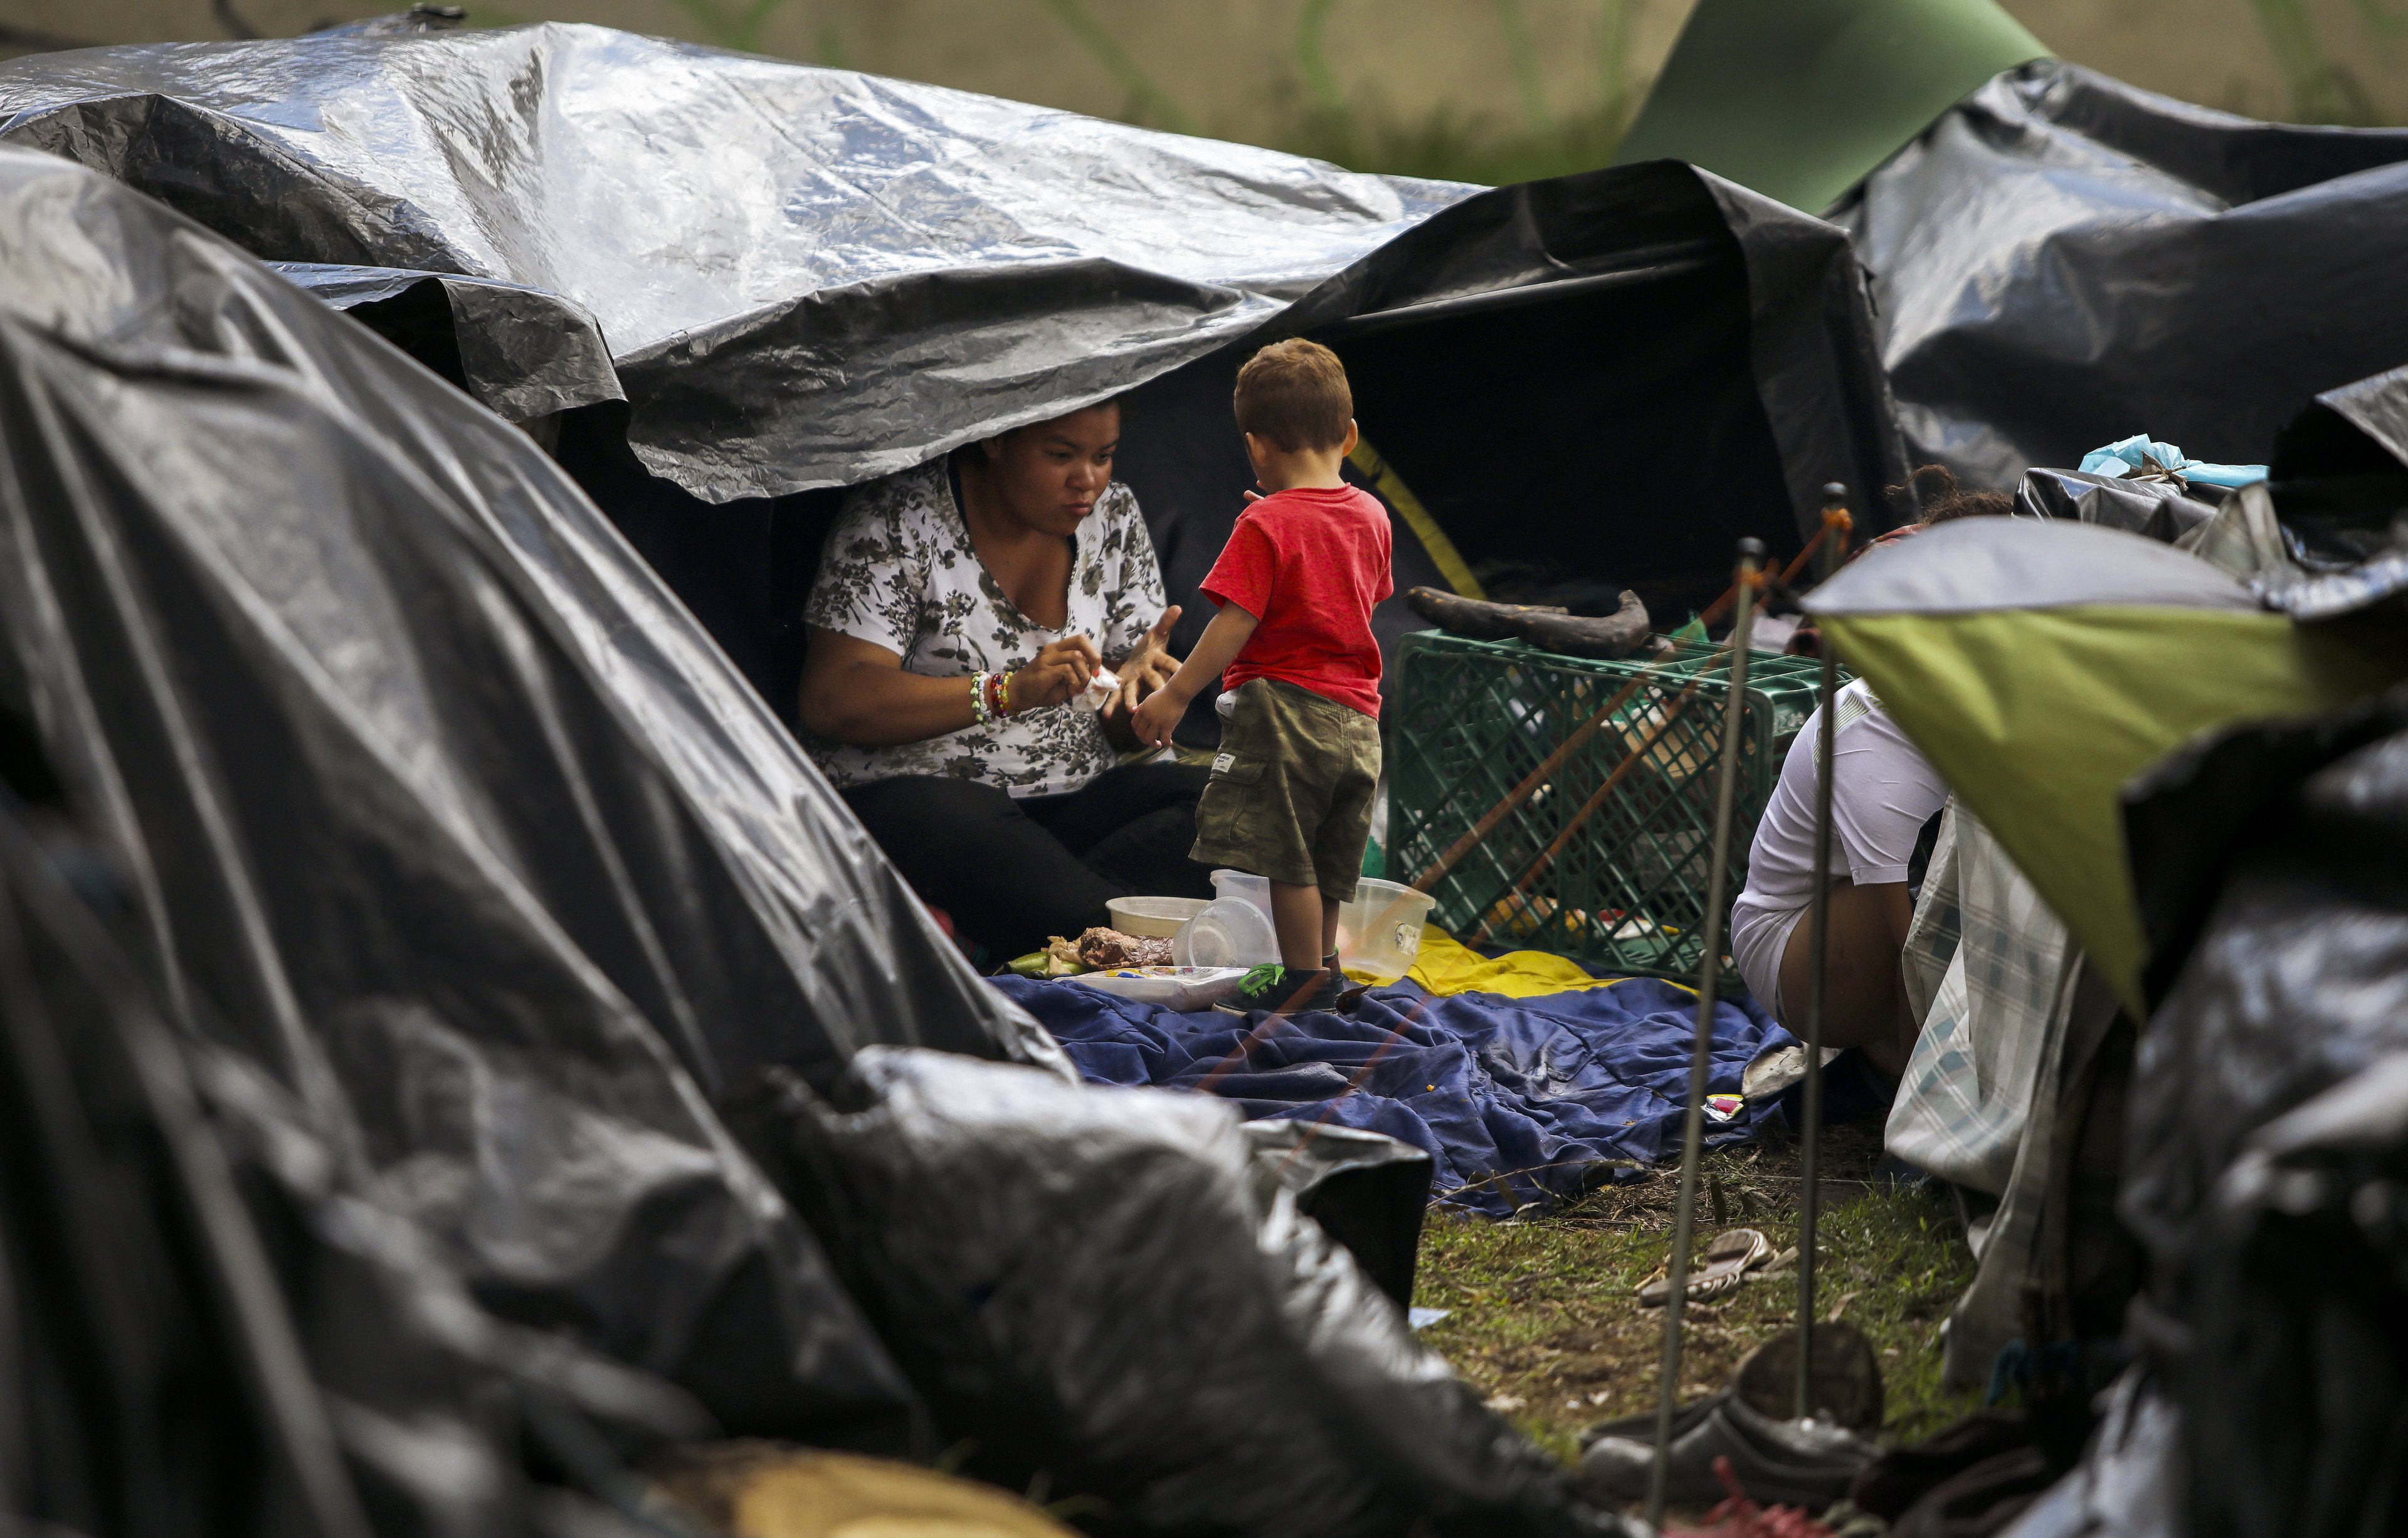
column 2061, row 259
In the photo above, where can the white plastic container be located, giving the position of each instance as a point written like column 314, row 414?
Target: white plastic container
column 1157, row 917
column 1228, row 932
column 1379, row 932
column 1185, row 990
column 1237, row 883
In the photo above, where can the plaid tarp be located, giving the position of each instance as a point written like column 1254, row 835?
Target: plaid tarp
column 1986, row 963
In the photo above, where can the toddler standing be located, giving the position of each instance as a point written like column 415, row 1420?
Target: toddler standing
column 1290, row 796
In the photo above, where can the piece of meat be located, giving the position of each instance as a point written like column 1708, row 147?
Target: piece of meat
column 1104, row 948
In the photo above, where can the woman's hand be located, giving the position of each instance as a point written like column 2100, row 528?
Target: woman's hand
column 1148, row 667
column 1057, row 675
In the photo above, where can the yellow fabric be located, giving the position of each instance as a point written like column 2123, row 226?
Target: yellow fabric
column 761, row 1490
column 2038, row 718
column 1442, row 554
column 1445, row 966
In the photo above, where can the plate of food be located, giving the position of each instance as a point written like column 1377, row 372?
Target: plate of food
column 1185, row 990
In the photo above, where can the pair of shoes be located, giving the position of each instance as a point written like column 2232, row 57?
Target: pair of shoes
column 1286, row 990
column 1780, row 1462
column 1729, row 1260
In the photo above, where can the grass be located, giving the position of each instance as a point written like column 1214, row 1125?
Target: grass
column 1546, row 1325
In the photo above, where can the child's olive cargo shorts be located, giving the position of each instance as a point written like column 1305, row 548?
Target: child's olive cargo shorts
column 1290, row 796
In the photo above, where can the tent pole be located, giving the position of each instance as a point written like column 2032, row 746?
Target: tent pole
column 1709, row 967
column 1834, row 537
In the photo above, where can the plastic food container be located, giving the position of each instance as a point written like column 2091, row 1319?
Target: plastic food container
column 1244, row 888
column 1227, row 933
column 1182, row 988
column 1159, row 917
column 1379, row 932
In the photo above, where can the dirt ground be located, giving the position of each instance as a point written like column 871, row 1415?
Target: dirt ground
column 1546, row 1325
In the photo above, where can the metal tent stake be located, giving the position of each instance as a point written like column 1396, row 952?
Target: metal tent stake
column 1836, row 525
column 1750, row 575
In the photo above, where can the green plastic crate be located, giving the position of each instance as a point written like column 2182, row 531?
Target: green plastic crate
column 1622, row 890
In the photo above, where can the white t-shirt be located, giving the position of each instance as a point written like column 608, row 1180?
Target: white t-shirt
column 898, row 570
column 1882, row 792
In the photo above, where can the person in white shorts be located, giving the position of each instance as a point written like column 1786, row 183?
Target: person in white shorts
column 1883, row 792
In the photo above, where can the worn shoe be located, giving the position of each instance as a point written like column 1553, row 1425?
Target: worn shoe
column 1780, row 1462
column 1847, row 1389
column 1286, row 990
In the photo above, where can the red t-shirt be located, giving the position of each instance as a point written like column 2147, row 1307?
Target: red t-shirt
column 1308, row 563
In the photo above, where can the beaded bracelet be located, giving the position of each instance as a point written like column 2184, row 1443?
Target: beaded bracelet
column 1002, row 694
column 978, row 698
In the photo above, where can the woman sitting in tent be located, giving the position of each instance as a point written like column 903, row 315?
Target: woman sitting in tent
column 1883, row 792
column 960, row 611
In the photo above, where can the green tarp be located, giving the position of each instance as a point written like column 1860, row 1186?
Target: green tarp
column 1800, row 99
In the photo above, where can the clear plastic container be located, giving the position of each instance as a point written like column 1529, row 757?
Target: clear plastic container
column 1157, row 917
column 1379, row 932
column 1237, row 883
column 1228, row 932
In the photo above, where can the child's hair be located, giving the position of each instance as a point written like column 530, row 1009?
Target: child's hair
column 1932, row 492
column 1294, row 393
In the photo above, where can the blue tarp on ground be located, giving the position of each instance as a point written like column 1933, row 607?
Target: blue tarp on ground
column 1543, row 1091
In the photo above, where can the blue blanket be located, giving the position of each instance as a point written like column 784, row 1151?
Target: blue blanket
column 1519, row 1101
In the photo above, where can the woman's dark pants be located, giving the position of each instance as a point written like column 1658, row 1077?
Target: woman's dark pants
column 1011, row 872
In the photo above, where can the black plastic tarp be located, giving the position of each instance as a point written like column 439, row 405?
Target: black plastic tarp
column 1103, row 1289
column 2266, row 1167
column 437, row 803
column 209, row 1323
column 803, row 278
column 2339, row 487
column 1610, row 377
column 2061, row 259
column 2161, row 509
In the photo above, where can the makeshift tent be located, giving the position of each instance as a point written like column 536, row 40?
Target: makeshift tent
column 2039, row 666
column 437, row 811
column 800, row 277
column 2060, row 259
column 1801, row 98
column 475, row 891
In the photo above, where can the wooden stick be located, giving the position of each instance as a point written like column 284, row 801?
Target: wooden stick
column 1714, row 610
column 1528, row 788
column 1547, row 857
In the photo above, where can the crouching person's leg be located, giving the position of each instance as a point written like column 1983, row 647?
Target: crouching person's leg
column 966, row 848
column 1865, row 1002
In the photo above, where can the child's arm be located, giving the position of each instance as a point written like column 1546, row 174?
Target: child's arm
column 1223, row 640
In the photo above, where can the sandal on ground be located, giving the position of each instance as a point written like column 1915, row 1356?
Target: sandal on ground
column 1729, row 1260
